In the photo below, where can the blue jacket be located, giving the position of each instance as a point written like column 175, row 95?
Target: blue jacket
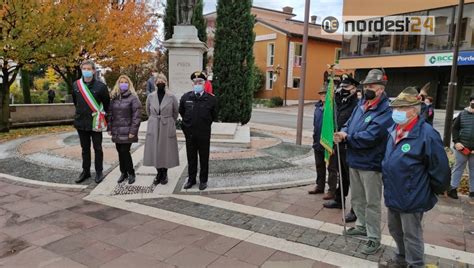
column 318, row 125
column 367, row 135
column 414, row 169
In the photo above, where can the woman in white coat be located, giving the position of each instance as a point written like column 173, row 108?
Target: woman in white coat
column 161, row 145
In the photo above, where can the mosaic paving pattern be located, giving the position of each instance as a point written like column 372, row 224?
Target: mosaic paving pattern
column 291, row 232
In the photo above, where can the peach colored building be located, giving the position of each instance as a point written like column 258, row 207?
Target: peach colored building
column 411, row 60
column 278, row 52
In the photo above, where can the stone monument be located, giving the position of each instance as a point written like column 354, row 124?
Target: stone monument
column 185, row 49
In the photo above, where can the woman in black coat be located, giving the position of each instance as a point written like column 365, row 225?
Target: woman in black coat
column 124, row 121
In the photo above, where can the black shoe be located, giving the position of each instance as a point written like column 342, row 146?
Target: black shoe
column 333, row 204
column 123, row 177
column 84, row 176
column 351, row 216
column 157, row 180
column 131, row 177
column 453, row 193
column 164, row 179
column 189, row 184
column 202, row 186
column 98, row 177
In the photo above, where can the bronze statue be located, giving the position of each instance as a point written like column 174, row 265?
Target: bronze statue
column 184, row 10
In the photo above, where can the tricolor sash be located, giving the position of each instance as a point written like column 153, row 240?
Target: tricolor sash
column 99, row 123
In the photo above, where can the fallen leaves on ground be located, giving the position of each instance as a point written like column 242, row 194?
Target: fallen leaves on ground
column 26, row 132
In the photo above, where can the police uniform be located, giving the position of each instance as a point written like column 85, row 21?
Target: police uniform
column 198, row 111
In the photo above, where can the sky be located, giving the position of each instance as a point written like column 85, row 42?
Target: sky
column 320, row 8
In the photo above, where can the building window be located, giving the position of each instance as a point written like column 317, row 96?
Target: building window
column 410, row 43
column 269, row 83
column 350, row 45
column 369, row 45
column 296, row 82
column 444, row 25
column 467, row 30
column 298, row 54
column 388, row 44
column 270, row 54
column 337, row 55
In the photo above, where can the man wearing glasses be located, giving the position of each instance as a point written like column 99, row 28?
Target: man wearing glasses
column 198, row 110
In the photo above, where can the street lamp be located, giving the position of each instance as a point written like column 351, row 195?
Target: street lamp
column 299, row 123
column 453, row 80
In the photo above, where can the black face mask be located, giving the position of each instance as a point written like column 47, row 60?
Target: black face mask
column 472, row 105
column 345, row 93
column 161, row 86
column 369, row 94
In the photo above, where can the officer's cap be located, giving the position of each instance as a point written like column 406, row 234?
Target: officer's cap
column 198, row 74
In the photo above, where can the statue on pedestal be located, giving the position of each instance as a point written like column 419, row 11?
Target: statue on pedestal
column 184, row 10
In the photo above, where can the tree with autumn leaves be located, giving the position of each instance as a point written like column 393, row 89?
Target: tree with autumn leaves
column 62, row 34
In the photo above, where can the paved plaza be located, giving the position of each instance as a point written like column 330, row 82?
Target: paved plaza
column 255, row 213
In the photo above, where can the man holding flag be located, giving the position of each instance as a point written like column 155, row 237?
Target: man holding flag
column 91, row 99
column 366, row 136
column 346, row 100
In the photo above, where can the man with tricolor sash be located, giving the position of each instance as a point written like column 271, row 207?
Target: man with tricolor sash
column 91, row 99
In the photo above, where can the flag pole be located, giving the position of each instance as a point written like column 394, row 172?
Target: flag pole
column 339, row 175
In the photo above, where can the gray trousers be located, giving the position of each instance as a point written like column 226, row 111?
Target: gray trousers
column 407, row 231
column 366, row 194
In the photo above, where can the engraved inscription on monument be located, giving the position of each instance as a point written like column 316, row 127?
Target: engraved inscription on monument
column 181, row 69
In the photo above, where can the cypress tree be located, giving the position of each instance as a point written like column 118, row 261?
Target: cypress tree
column 170, row 18
column 200, row 22
column 233, row 60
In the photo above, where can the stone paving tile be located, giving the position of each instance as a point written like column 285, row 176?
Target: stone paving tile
column 250, row 253
column 10, row 218
column 132, row 219
column 71, row 244
column 46, row 235
column 291, row 232
column 192, row 257
column 11, row 246
column 130, row 239
column 20, row 229
column 157, row 227
column 273, row 205
column 133, row 259
column 77, row 223
column 38, row 210
column 300, row 211
column 38, row 257
column 160, row 248
column 247, row 200
column 9, row 198
column 97, row 254
column 228, row 262
column 105, row 230
column 99, row 211
column 216, row 243
column 185, row 235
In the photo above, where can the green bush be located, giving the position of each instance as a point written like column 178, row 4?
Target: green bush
column 15, row 90
column 276, row 102
column 258, row 79
column 38, row 97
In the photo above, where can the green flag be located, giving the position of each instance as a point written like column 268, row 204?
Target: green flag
column 327, row 132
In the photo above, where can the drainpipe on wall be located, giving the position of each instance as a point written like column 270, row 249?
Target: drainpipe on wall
column 287, row 66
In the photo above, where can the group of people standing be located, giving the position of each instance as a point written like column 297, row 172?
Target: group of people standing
column 387, row 146
column 119, row 112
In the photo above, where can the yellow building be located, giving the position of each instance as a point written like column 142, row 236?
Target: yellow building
column 413, row 60
column 278, row 52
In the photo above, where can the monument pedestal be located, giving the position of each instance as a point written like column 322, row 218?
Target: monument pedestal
column 222, row 135
column 185, row 52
